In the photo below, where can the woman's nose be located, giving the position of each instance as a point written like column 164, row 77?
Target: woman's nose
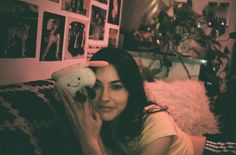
column 105, row 94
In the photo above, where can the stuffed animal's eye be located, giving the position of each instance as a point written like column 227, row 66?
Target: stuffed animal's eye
column 68, row 85
column 78, row 78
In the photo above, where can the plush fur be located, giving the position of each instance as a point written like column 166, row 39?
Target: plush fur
column 187, row 103
column 73, row 78
column 76, row 76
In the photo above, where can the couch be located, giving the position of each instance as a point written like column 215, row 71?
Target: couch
column 32, row 122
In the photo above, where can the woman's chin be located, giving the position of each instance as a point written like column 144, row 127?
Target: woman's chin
column 107, row 117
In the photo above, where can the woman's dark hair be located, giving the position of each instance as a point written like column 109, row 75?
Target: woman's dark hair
column 130, row 121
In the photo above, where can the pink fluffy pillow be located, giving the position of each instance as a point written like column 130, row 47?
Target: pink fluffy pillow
column 187, row 103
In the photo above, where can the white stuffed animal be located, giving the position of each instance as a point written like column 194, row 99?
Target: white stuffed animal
column 76, row 76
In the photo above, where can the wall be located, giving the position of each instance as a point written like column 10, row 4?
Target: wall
column 28, row 68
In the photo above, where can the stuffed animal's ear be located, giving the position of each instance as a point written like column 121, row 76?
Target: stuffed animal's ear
column 55, row 75
column 98, row 63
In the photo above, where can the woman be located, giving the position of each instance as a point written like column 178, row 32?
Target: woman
column 119, row 120
column 114, row 12
column 53, row 40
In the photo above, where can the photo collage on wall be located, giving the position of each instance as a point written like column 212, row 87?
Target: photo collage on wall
column 52, row 37
column 66, row 29
column 114, row 21
column 102, row 1
column 114, row 12
column 76, row 6
column 97, row 23
column 18, row 29
column 113, row 37
column 57, row 1
column 76, row 36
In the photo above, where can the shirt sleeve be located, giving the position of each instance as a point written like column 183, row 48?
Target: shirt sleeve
column 156, row 125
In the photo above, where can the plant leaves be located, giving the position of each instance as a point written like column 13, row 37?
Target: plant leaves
column 156, row 70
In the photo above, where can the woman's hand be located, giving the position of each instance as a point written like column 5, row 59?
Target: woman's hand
column 85, row 121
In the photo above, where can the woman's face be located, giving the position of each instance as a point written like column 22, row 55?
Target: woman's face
column 55, row 25
column 111, row 95
column 115, row 2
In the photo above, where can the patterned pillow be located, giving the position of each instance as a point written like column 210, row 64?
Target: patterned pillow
column 32, row 122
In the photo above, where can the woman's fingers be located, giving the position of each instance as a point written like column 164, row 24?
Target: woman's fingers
column 76, row 110
column 97, row 117
column 86, row 122
column 68, row 109
column 80, row 97
column 75, row 106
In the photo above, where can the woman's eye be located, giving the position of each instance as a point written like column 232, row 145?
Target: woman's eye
column 117, row 86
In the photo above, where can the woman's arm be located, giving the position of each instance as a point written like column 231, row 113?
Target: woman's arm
column 198, row 144
column 58, row 45
column 157, row 147
column 95, row 147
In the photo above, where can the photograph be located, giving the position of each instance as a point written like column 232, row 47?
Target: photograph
column 18, row 29
column 97, row 23
column 76, row 6
column 57, row 1
column 114, row 12
column 102, row 1
column 75, row 42
column 113, row 37
column 52, row 37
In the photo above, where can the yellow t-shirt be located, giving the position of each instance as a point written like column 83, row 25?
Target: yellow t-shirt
column 161, row 124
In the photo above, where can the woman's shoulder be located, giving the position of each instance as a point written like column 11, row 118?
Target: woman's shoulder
column 155, row 112
column 153, row 109
column 157, row 117
column 157, row 123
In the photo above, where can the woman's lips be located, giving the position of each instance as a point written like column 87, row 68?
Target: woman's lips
column 105, row 109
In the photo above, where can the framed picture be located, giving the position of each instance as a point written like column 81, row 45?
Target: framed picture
column 97, row 23
column 102, row 1
column 76, row 36
column 18, row 29
column 76, row 6
column 57, row 1
column 113, row 37
column 114, row 12
column 52, row 37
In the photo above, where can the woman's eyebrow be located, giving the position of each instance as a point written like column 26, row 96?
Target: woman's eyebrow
column 112, row 82
column 116, row 81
